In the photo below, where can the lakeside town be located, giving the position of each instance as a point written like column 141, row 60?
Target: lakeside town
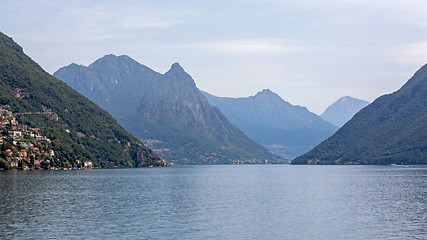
column 24, row 148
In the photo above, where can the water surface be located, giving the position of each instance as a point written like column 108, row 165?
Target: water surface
column 216, row 202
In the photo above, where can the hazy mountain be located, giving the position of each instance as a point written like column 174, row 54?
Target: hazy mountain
column 79, row 129
column 392, row 129
column 282, row 128
column 343, row 110
column 166, row 110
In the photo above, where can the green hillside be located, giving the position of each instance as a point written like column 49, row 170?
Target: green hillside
column 78, row 129
column 391, row 130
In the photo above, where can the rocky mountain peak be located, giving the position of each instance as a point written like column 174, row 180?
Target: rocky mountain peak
column 177, row 70
column 179, row 76
column 169, row 109
column 343, row 110
column 122, row 63
column 107, row 57
column 267, row 94
column 176, row 66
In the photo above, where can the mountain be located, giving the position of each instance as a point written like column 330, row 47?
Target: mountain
column 78, row 129
column 167, row 111
column 391, row 130
column 282, row 128
column 343, row 110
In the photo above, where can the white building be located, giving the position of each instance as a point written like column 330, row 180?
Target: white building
column 17, row 134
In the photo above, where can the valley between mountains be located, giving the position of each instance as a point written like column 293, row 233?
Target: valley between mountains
column 181, row 124
column 187, row 126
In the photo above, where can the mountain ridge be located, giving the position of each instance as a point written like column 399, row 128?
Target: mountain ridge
column 342, row 110
column 391, row 130
column 78, row 129
column 283, row 128
column 170, row 114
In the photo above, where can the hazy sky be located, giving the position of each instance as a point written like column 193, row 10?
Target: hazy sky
column 310, row 52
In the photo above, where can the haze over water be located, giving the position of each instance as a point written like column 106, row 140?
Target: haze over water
column 216, row 202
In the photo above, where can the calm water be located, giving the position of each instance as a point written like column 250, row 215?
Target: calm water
column 216, row 202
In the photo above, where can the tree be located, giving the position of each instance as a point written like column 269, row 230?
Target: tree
column 4, row 164
column 44, row 164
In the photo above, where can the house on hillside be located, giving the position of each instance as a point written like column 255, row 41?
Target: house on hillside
column 22, row 153
column 14, row 163
column 13, row 121
column 42, row 138
column 16, row 134
column 88, row 164
column 26, row 144
column 37, row 163
column 9, row 152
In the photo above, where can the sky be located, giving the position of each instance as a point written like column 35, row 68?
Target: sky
column 310, row 52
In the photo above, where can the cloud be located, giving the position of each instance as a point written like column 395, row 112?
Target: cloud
column 250, row 47
column 141, row 21
column 134, row 17
column 357, row 14
column 414, row 54
column 291, row 45
column 90, row 21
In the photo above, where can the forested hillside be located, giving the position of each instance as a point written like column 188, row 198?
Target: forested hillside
column 391, row 130
column 78, row 129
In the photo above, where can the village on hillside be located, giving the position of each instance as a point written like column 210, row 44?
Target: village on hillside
column 24, row 148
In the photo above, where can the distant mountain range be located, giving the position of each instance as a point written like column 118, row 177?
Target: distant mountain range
column 167, row 111
column 391, row 130
column 282, row 128
column 343, row 110
column 78, row 129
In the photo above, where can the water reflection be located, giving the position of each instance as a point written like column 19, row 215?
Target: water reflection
column 217, row 202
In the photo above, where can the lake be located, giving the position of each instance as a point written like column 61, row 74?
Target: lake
column 216, row 202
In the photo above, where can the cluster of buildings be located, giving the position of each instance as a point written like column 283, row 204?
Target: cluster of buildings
column 23, row 147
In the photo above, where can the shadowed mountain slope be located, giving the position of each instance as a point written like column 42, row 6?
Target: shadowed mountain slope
column 282, row 128
column 166, row 110
column 78, row 128
column 391, row 130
